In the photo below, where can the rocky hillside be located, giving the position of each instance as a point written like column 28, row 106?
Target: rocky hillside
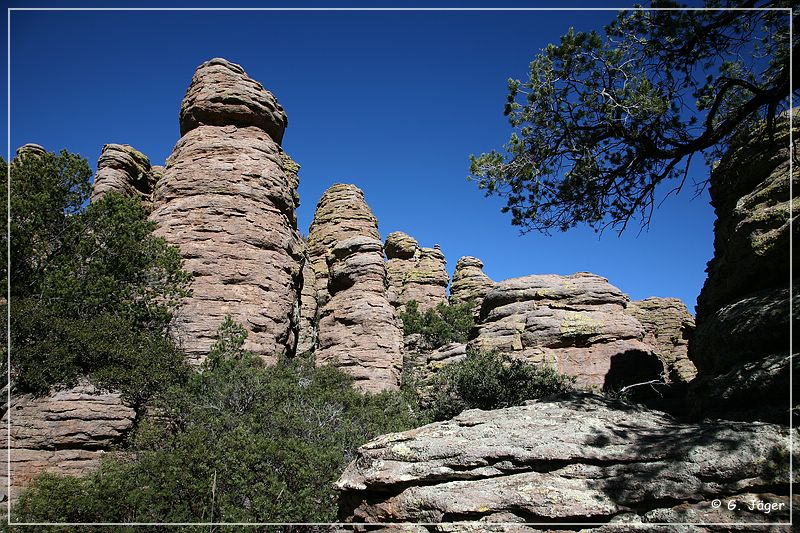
column 227, row 196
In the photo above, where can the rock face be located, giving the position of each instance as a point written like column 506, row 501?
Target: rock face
column 668, row 326
column 741, row 345
column 572, row 459
column 227, row 199
column 358, row 330
column 576, row 323
column 470, row 283
column 415, row 273
column 66, row 432
column 123, row 169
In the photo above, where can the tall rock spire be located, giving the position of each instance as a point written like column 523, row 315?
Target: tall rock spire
column 227, row 198
column 358, row 328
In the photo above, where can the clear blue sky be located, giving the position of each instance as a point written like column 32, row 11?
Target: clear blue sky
column 393, row 102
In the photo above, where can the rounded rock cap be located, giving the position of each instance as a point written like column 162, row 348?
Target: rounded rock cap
column 222, row 94
column 400, row 245
column 30, row 149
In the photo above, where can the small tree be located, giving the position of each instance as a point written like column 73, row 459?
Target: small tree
column 92, row 289
column 602, row 121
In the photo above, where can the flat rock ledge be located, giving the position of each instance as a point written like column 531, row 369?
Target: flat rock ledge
column 581, row 459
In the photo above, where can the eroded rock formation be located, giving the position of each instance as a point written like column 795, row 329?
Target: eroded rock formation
column 668, row 326
column 576, row 323
column 227, row 199
column 123, row 169
column 66, row 432
column 470, row 283
column 573, row 459
column 341, row 213
column 358, row 329
column 741, row 344
column 415, row 273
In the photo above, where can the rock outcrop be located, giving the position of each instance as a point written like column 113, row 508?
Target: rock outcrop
column 668, row 326
column 741, row 344
column 569, row 460
column 123, row 169
column 227, row 199
column 470, row 283
column 415, row 273
column 358, row 329
column 66, row 432
column 576, row 323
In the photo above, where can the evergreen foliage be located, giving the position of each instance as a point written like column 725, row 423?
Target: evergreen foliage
column 440, row 325
column 603, row 120
column 238, row 442
column 92, row 289
column 486, row 380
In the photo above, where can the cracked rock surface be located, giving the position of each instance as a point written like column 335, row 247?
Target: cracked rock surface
column 568, row 459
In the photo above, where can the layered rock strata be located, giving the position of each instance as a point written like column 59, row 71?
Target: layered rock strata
column 358, row 329
column 123, row 169
column 470, row 284
column 575, row 323
column 569, row 460
column 668, row 326
column 66, row 432
column 415, row 273
column 741, row 344
column 227, row 199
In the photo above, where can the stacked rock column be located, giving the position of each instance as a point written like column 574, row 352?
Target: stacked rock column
column 227, row 198
column 358, row 328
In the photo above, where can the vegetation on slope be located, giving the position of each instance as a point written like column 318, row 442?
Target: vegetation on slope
column 238, row 442
column 440, row 325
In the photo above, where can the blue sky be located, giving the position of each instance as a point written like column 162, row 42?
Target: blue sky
column 394, row 102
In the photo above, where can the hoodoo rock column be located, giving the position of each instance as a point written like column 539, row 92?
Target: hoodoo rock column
column 228, row 200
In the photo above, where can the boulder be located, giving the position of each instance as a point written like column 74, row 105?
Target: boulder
column 415, row 273
column 470, row 283
column 358, row 329
column 227, row 199
column 65, row 432
column 743, row 318
column 125, row 170
column 222, row 94
column 668, row 326
column 575, row 323
column 568, row 460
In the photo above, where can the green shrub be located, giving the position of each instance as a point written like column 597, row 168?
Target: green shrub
column 93, row 289
column 486, row 380
column 440, row 325
column 239, row 442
